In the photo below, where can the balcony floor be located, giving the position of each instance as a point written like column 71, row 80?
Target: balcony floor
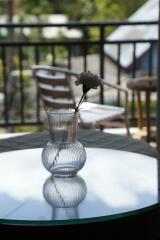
column 121, row 131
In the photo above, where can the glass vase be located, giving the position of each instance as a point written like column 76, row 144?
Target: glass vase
column 63, row 155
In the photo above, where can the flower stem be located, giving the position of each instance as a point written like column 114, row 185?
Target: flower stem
column 64, row 137
column 81, row 100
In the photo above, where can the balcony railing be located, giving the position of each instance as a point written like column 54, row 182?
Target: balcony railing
column 19, row 98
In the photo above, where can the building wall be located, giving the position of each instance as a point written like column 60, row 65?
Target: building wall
column 142, row 64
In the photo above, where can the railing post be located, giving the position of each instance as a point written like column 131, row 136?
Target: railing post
column 37, row 59
column 133, row 76
column 118, row 73
column 5, row 85
column 102, row 36
column 21, row 84
column 158, row 89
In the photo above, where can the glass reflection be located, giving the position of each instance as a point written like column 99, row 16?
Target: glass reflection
column 64, row 195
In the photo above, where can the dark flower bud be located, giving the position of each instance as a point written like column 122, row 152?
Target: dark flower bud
column 88, row 81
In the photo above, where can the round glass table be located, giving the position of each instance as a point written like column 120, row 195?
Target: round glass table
column 113, row 187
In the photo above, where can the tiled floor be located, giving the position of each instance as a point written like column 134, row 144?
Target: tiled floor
column 135, row 133
column 121, row 131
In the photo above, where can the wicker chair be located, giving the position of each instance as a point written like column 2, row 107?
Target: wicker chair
column 56, row 92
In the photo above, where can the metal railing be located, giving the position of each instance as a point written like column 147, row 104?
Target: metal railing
column 16, row 56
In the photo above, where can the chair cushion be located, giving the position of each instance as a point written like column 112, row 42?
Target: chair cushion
column 92, row 113
column 143, row 84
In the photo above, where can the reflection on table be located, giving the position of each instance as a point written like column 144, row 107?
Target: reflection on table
column 64, row 195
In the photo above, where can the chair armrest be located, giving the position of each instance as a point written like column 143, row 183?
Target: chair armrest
column 118, row 88
column 104, row 82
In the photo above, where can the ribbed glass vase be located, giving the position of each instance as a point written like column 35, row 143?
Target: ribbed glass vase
column 63, row 155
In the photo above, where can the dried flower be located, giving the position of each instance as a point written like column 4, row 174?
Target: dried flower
column 88, row 81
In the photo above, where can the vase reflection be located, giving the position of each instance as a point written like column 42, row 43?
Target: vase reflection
column 64, row 195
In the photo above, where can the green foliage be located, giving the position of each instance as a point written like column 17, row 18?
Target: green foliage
column 35, row 7
column 78, row 10
column 100, row 10
column 28, row 128
column 82, row 10
column 94, row 10
column 2, row 7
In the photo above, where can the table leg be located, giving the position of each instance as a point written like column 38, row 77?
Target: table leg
column 148, row 123
column 139, row 110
